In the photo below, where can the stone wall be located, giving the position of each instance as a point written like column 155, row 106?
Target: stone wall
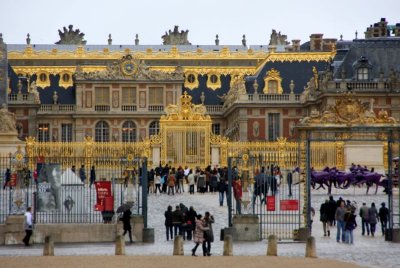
column 13, row 231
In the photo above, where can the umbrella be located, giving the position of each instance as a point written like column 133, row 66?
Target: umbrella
column 124, row 207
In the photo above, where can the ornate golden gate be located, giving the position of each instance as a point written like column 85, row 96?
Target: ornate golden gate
column 185, row 134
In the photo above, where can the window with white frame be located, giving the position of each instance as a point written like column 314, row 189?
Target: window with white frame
column 66, row 132
column 43, row 132
column 273, row 126
column 129, row 95
column 102, row 95
column 154, row 128
column 362, row 73
column 156, row 96
column 102, row 132
column 128, row 131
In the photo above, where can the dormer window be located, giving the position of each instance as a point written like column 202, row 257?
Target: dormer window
column 273, row 82
column 272, row 86
column 362, row 69
column 362, row 73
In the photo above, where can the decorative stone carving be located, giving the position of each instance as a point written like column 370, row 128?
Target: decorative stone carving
column 71, row 37
column 175, row 37
column 33, row 90
column 7, row 120
column 350, row 111
column 277, row 39
column 128, row 68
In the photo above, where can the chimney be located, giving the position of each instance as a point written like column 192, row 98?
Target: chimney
column 296, row 44
column 329, row 43
column 316, row 42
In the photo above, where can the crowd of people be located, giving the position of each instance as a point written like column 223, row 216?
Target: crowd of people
column 342, row 214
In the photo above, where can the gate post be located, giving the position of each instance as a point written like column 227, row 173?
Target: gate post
column 144, row 191
column 308, row 182
column 229, row 196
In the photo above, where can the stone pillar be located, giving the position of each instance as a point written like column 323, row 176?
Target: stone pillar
column 272, row 246
column 311, row 251
column 228, row 245
column 48, row 249
column 120, row 245
column 178, row 246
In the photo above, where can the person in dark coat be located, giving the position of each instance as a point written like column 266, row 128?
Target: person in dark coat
column 289, row 179
column 209, row 237
column 331, row 211
column 168, row 223
column 7, row 178
column 350, row 225
column 82, row 174
column 126, row 220
column 373, row 218
column 92, row 176
column 324, row 210
column 177, row 220
column 383, row 217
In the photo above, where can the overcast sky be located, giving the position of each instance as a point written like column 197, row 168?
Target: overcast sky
column 230, row 19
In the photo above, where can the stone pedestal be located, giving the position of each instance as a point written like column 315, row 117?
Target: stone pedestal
column 311, row 251
column 302, row 234
column 246, row 228
column 396, row 235
column 14, row 230
column 148, row 235
column 119, row 245
column 9, row 143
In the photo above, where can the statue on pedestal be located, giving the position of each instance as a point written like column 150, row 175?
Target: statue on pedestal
column 8, row 120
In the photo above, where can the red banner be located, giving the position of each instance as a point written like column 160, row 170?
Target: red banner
column 270, row 203
column 103, row 190
column 290, row 204
column 13, row 180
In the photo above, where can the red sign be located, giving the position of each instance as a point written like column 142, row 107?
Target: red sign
column 103, row 190
column 270, row 203
column 290, row 204
column 13, row 180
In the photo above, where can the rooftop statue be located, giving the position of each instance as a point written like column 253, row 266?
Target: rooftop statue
column 175, row 37
column 277, row 39
column 71, row 37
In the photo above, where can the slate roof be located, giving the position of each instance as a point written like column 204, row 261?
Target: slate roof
column 382, row 53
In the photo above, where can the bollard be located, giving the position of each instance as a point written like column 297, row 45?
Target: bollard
column 228, row 245
column 120, row 245
column 178, row 246
column 272, row 249
column 48, row 249
column 311, row 251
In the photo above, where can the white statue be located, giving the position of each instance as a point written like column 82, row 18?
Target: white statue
column 7, row 120
column 35, row 92
column 55, row 97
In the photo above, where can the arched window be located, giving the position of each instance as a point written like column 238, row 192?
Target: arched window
column 102, row 132
column 154, row 128
column 128, row 131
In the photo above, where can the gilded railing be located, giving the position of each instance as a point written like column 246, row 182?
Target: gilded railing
column 87, row 152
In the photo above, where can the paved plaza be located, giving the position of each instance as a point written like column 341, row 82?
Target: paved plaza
column 365, row 252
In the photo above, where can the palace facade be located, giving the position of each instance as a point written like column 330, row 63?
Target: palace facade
column 70, row 90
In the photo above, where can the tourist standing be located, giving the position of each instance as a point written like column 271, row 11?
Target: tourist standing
column 28, row 226
column 383, row 217
column 209, row 237
column 82, row 174
column 177, row 219
column 324, row 210
column 92, row 176
column 157, row 182
column 364, row 219
column 7, row 178
column 339, row 217
column 237, row 192
column 171, row 182
column 168, row 223
column 373, row 218
column 350, row 225
column 191, row 181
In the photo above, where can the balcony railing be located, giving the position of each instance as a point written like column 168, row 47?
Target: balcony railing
column 273, row 98
column 214, row 108
column 57, row 107
column 156, row 108
column 129, row 108
column 102, row 108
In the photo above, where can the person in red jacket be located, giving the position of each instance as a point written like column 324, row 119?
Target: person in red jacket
column 237, row 192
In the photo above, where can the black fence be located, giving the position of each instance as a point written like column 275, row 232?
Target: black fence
column 60, row 194
column 272, row 194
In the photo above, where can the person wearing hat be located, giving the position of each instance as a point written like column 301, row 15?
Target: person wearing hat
column 384, row 217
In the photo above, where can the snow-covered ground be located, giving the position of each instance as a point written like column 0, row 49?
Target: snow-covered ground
column 366, row 251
